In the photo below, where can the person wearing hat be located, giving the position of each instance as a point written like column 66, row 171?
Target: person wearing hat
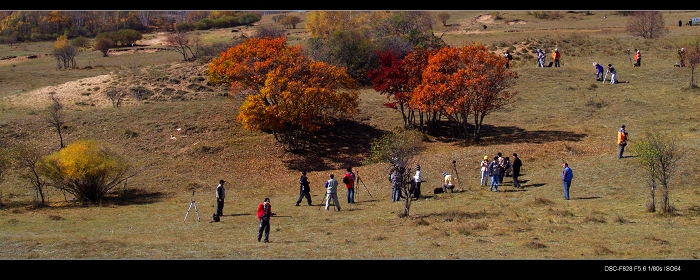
column 621, row 141
column 638, row 58
column 556, row 56
column 264, row 214
column 220, row 196
column 448, row 183
column 598, row 71
column 484, row 171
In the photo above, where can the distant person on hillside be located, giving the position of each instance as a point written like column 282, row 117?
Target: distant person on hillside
column 495, row 174
column 598, row 71
column 332, row 192
column 502, row 166
column 567, row 175
column 681, row 56
column 680, row 23
column 613, row 74
column 508, row 58
column 540, row 58
column 621, row 141
column 304, row 189
column 556, row 56
column 396, row 179
column 638, row 58
column 484, row 171
column 517, row 163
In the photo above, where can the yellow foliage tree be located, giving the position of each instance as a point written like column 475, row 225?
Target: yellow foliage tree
column 86, row 168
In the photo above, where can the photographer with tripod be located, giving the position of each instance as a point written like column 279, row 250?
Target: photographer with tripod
column 304, row 189
column 349, row 181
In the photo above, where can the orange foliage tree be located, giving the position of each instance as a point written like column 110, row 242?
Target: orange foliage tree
column 463, row 83
column 292, row 96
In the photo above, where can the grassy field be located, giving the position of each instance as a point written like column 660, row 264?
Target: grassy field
column 559, row 115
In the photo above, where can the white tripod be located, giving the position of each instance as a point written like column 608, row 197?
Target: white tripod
column 195, row 208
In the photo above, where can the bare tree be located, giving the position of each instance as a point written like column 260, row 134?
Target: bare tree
column 27, row 158
column 269, row 31
column 55, row 117
column 693, row 58
column 65, row 56
column 184, row 44
column 647, row 24
column 115, row 95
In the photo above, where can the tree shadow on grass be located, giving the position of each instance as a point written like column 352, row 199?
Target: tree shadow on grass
column 495, row 135
column 347, row 143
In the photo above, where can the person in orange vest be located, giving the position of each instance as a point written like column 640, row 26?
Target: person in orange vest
column 638, row 58
column 621, row 141
column 556, row 56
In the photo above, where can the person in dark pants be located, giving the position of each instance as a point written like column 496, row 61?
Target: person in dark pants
column 517, row 163
column 220, row 196
column 264, row 214
column 567, row 175
column 621, row 141
column 304, row 189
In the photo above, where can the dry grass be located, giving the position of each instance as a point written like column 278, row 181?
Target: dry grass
column 560, row 114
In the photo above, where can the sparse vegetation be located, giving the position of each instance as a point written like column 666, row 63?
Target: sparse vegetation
column 190, row 144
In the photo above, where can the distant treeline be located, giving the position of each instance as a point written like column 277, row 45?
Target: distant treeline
column 20, row 26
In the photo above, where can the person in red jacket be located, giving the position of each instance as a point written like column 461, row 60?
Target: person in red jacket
column 264, row 214
column 638, row 58
column 349, row 181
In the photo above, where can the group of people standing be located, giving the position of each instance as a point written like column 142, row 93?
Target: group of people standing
column 599, row 73
column 498, row 168
column 541, row 57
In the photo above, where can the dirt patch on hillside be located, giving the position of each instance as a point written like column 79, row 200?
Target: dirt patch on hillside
column 75, row 93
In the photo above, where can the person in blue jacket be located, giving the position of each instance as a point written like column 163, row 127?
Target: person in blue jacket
column 566, row 176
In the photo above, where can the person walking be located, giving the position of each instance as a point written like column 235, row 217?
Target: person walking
column 220, row 196
column 264, row 214
column 556, row 56
column 621, row 141
column 349, row 181
column 448, row 183
column 332, row 192
column 613, row 74
column 566, row 176
column 638, row 58
column 484, row 171
column 304, row 189
column 517, row 163
column 598, row 71
column 495, row 173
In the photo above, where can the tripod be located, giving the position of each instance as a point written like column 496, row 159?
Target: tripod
column 363, row 183
column 195, row 208
column 454, row 168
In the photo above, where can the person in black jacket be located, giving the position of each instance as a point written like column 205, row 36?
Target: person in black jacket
column 304, row 189
column 517, row 163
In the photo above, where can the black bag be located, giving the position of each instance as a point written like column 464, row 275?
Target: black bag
column 438, row 190
column 346, row 180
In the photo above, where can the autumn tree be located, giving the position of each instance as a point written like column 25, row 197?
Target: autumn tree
column 290, row 95
column 647, row 24
column 64, row 52
column 56, row 118
column 463, row 83
column 391, row 79
column 245, row 66
column 185, row 44
column 103, row 44
column 86, row 169
column 290, row 21
column 399, row 149
column 444, row 17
